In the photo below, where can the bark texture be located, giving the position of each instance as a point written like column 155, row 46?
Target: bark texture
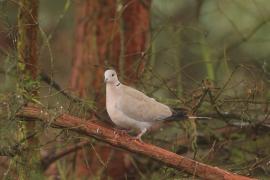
column 108, row 34
column 27, row 73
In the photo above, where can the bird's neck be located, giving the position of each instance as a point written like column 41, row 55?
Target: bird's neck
column 113, row 86
column 112, row 93
column 117, row 84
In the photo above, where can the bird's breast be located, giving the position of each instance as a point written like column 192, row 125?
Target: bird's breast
column 115, row 115
column 111, row 100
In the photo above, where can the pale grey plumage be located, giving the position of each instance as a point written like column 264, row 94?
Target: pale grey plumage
column 137, row 105
column 130, row 108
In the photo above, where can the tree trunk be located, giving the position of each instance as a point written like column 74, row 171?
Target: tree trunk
column 136, row 25
column 108, row 34
column 27, row 86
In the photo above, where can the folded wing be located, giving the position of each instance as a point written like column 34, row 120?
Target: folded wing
column 140, row 107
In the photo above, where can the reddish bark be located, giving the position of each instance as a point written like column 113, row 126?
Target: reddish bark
column 95, row 30
column 100, row 132
column 97, row 42
column 83, row 53
column 27, row 36
column 104, row 33
column 136, row 34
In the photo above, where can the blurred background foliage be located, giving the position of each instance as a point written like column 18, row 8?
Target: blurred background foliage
column 222, row 46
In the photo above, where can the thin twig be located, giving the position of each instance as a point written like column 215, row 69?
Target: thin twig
column 48, row 160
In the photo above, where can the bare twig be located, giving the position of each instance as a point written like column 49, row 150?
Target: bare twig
column 201, row 99
column 245, row 38
column 47, row 79
column 48, row 160
column 16, row 149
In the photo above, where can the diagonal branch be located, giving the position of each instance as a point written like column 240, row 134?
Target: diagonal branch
column 48, row 160
column 246, row 38
column 95, row 129
column 47, row 79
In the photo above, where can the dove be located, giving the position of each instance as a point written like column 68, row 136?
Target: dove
column 129, row 108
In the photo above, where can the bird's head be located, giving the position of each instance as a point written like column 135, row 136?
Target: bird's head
column 110, row 76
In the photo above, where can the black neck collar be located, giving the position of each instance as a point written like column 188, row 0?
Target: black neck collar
column 118, row 84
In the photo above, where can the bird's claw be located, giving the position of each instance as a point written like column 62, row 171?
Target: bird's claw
column 137, row 138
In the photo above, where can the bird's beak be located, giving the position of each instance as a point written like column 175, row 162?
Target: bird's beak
column 105, row 80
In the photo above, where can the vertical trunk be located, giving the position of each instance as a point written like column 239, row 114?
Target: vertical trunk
column 96, row 30
column 136, row 25
column 108, row 34
column 27, row 86
column 103, row 33
column 27, row 38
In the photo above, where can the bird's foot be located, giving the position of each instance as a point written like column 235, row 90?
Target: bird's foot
column 137, row 138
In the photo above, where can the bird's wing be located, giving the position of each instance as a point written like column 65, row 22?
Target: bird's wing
column 140, row 107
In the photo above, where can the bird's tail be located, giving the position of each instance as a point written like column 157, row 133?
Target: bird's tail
column 182, row 113
column 198, row 117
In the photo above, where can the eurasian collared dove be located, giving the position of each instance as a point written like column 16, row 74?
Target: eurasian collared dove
column 129, row 108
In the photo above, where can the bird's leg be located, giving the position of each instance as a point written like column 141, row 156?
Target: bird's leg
column 139, row 136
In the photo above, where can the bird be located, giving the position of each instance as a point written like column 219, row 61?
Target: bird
column 129, row 108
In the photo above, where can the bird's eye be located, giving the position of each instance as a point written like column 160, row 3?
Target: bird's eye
column 112, row 75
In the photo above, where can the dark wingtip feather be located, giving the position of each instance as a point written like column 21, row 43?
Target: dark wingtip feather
column 178, row 114
column 182, row 114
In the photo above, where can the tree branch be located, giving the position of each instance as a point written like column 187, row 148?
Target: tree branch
column 95, row 129
column 47, row 79
column 244, row 38
column 48, row 160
